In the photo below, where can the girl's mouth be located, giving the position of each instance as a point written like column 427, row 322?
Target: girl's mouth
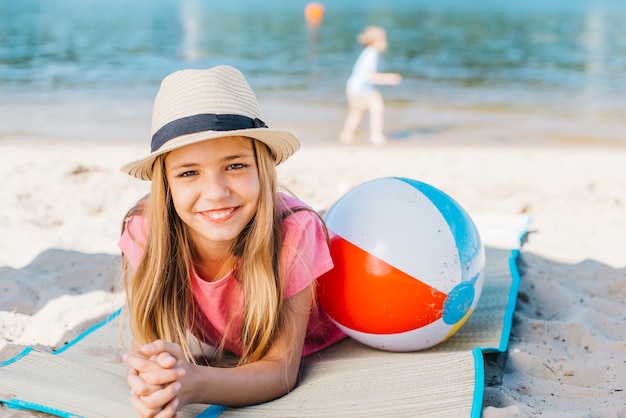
column 219, row 215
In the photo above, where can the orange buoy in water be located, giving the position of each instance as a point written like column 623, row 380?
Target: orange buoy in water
column 314, row 13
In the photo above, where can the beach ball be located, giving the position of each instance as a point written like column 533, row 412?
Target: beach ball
column 408, row 265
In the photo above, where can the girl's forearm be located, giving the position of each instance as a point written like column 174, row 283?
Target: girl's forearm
column 250, row 384
column 385, row 78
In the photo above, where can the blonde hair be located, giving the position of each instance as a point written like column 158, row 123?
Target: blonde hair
column 371, row 34
column 159, row 295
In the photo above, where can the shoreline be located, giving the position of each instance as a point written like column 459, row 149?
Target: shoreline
column 108, row 120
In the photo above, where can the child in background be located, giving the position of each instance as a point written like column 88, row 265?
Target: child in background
column 360, row 88
column 216, row 255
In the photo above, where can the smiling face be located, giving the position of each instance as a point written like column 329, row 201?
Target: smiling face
column 215, row 189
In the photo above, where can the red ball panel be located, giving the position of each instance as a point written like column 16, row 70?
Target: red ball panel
column 365, row 294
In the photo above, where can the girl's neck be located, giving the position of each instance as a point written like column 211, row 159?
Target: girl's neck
column 211, row 270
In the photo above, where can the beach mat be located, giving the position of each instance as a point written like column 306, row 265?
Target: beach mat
column 86, row 377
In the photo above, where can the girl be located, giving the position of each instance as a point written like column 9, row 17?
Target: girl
column 216, row 255
column 360, row 87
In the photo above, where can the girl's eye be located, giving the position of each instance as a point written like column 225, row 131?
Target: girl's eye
column 236, row 166
column 187, row 174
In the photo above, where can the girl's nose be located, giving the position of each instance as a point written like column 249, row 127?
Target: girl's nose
column 215, row 187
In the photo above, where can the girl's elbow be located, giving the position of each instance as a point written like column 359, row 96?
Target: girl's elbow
column 292, row 382
column 291, row 377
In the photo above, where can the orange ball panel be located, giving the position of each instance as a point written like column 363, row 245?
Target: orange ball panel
column 368, row 295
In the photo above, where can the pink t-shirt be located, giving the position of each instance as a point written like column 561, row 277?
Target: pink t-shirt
column 304, row 256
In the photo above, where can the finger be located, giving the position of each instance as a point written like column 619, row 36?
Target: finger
column 142, row 364
column 139, row 363
column 151, row 371
column 159, row 346
column 166, row 360
column 161, row 376
column 160, row 398
column 169, row 410
column 139, row 385
column 140, row 408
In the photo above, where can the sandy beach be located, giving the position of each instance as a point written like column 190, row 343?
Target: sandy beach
column 64, row 199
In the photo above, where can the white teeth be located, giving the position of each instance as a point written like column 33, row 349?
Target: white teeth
column 221, row 214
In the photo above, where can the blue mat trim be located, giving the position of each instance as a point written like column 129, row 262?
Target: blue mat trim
column 479, row 383
column 513, row 291
column 212, row 411
column 29, row 406
column 510, row 308
column 88, row 331
column 73, row 342
column 19, row 404
column 507, row 321
column 16, row 357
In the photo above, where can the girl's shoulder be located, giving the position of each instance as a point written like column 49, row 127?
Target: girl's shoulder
column 295, row 210
column 290, row 202
column 300, row 220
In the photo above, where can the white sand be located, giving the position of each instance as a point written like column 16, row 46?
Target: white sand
column 63, row 203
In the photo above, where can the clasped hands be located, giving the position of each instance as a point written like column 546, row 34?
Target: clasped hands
column 155, row 377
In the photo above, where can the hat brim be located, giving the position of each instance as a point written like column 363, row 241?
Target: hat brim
column 282, row 145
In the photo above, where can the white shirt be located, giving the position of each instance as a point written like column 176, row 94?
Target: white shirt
column 364, row 67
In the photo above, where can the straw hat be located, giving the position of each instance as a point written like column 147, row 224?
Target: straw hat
column 197, row 105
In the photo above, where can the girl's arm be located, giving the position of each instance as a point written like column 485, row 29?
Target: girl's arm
column 269, row 378
column 385, row 78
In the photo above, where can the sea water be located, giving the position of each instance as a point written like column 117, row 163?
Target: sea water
column 499, row 53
